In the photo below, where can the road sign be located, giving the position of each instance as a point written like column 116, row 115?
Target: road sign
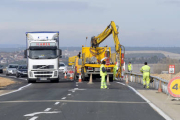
column 171, row 69
column 174, row 87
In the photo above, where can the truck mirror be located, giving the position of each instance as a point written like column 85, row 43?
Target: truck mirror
column 60, row 53
column 25, row 53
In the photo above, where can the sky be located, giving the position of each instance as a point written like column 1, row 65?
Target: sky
column 142, row 23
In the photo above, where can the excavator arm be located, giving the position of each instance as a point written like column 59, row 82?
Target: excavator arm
column 110, row 29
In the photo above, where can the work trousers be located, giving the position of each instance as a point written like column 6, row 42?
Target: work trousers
column 146, row 80
column 114, row 75
column 103, row 82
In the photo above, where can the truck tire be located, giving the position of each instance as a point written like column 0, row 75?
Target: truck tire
column 55, row 81
column 111, row 79
column 75, row 76
column 31, row 81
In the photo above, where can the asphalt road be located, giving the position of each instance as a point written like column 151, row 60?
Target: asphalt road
column 69, row 100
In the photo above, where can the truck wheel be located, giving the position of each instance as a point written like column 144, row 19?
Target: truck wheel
column 75, row 77
column 7, row 74
column 55, row 81
column 31, row 81
column 17, row 75
column 110, row 79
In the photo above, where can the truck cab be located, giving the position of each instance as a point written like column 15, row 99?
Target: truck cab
column 43, row 55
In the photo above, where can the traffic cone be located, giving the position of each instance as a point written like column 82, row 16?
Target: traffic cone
column 79, row 78
column 159, row 88
column 71, row 77
column 65, row 76
column 127, row 80
column 90, row 80
column 108, row 80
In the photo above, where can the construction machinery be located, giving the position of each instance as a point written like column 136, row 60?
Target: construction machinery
column 92, row 56
column 71, row 60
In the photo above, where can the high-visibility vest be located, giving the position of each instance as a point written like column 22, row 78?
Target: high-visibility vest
column 101, row 72
column 115, row 68
column 145, row 69
column 129, row 67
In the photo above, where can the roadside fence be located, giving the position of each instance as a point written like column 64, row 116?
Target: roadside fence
column 159, row 84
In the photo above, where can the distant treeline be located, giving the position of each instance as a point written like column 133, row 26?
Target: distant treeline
column 140, row 58
column 168, row 49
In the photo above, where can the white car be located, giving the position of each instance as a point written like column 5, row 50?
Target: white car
column 62, row 67
column 11, row 69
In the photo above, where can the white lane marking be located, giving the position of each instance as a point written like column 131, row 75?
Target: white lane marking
column 63, row 98
column 76, row 89
column 150, row 103
column 36, row 113
column 57, row 103
column 76, row 85
column 73, row 91
column 48, row 109
column 33, row 118
column 16, row 90
column 69, row 94
column 23, row 78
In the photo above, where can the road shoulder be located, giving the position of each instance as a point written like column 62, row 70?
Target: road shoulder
column 162, row 101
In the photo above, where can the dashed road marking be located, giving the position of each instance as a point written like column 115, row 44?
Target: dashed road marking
column 69, row 94
column 63, row 98
column 57, row 103
column 23, row 78
column 36, row 113
column 48, row 109
column 33, row 118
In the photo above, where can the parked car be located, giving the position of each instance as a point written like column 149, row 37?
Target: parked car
column 62, row 67
column 1, row 69
column 21, row 71
column 11, row 69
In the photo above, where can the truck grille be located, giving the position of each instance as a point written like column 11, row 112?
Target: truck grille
column 43, row 66
column 43, row 76
column 45, row 72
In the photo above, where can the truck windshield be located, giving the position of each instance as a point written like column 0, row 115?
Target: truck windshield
column 43, row 54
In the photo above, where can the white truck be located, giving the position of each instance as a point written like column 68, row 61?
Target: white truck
column 42, row 55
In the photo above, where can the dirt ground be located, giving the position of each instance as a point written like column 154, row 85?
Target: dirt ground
column 166, row 76
column 5, row 82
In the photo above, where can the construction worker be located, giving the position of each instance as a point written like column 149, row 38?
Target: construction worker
column 115, row 71
column 79, row 55
column 129, row 67
column 146, row 75
column 103, row 74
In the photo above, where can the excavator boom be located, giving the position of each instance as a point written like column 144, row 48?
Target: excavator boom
column 110, row 29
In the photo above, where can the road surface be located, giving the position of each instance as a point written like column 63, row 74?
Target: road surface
column 69, row 100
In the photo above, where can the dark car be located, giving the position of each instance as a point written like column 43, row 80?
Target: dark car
column 21, row 71
column 1, row 69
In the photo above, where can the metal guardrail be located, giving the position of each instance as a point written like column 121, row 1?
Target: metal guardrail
column 159, row 84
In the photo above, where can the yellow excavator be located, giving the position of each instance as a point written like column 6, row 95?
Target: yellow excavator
column 112, row 28
column 93, row 55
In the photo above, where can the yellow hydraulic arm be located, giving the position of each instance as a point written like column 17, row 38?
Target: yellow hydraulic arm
column 110, row 29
